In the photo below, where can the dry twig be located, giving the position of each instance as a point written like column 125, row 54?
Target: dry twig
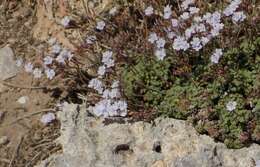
column 22, row 87
column 16, row 152
column 29, row 115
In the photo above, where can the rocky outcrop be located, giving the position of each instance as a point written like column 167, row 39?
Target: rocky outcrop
column 87, row 142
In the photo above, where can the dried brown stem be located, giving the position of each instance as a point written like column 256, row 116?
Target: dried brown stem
column 22, row 87
column 29, row 115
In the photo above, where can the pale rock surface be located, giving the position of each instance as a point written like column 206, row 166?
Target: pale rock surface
column 7, row 63
column 87, row 142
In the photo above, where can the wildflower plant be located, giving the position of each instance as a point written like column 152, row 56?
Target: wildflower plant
column 203, row 83
column 186, row 59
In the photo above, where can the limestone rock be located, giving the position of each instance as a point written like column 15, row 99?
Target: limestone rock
column 168, row 142
column 7, row 64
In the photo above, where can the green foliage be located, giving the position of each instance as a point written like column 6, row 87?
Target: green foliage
column 180, row 101
column 201, row 94
column 147, row 81
column 233, row 123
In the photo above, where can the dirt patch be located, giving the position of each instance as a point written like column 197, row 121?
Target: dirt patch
column 28, row 140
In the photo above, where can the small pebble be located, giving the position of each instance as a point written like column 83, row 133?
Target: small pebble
column 23, row 99
column 4, row 140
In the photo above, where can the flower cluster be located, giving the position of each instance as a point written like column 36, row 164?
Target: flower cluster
column 148, row 11
column 185, row 4
column 216, row 56
column 109, row 107
column 238, row 17
column 231, row 105
column 231, row 8
column 65, row 21
column 96, row 84
column 201, row 31
column 167, row 12
column 110, row 103
column 100, row 25
column 56, row 57
column 159, row 42
column 91, row 39
column 107, row 59
column 47, row 118
column 180, row 43
column 192, row 30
